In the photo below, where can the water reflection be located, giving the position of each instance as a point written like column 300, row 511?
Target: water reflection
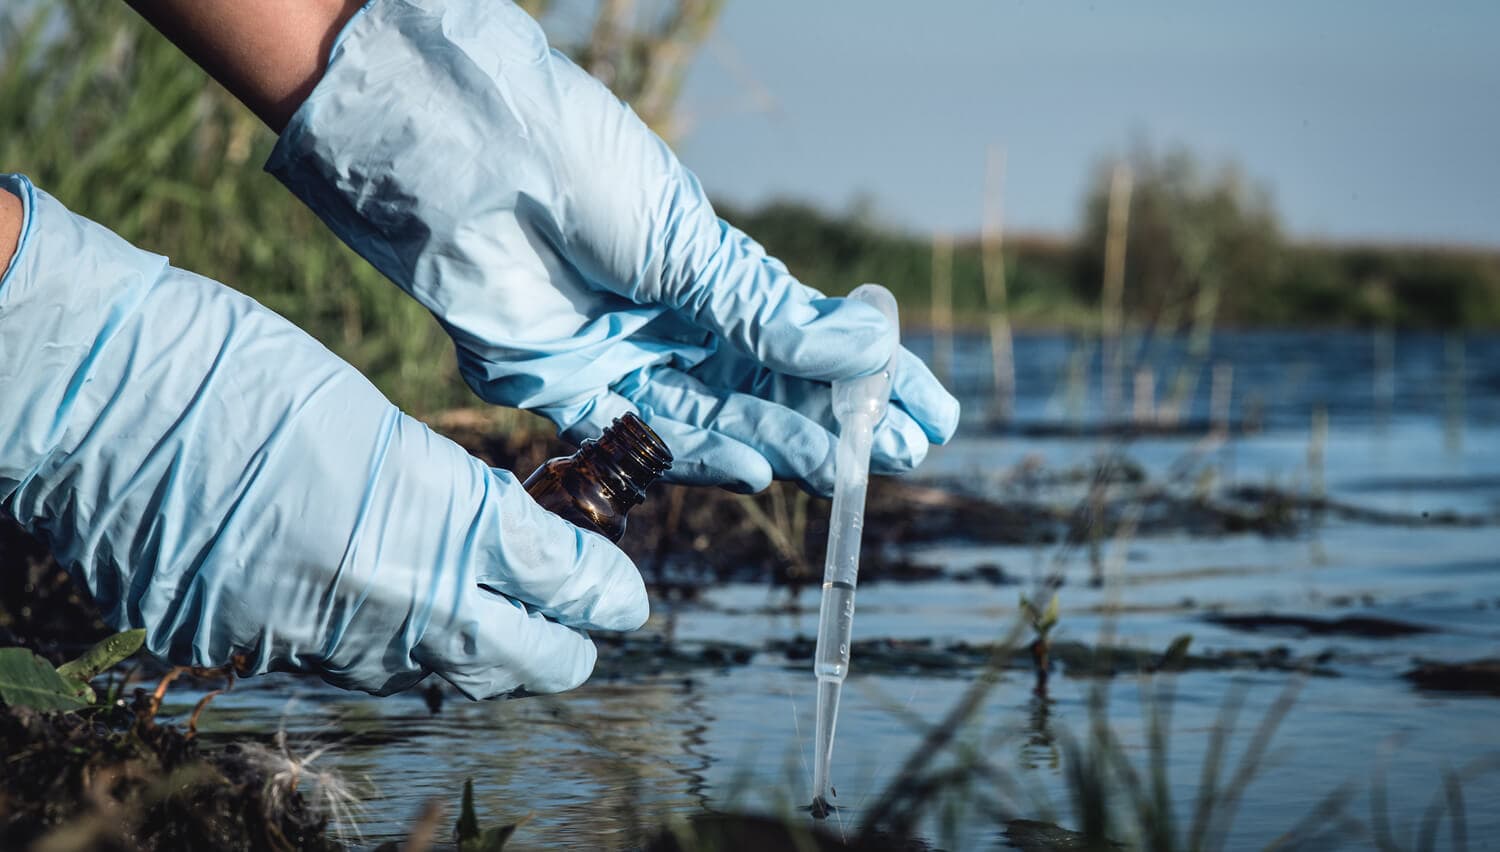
column 1039, row 749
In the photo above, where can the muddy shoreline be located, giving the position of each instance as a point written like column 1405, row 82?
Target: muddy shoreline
column 684, row 540
column 112, row 778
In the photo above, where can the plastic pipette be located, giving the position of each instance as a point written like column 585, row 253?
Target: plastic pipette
column 858, row 404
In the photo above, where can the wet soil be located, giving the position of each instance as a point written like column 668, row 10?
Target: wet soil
column 113, row 779
column 1031, row 835
column 1480, row 677
column 778, row 536
column 680, row 543
column 1361, row 626
column 739, row 833
column 924, row 657
column 625, row 655
column 718, row 537
column 1185, row 427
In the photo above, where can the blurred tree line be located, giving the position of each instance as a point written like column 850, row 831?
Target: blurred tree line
column 1202, row 244
column 106, row 115
column 837, row 252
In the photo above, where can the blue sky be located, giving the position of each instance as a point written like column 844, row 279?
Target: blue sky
column 1366, row 120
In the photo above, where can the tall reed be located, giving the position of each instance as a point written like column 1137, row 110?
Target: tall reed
column 942, row 307
column 1112, row 301
column 992, row 259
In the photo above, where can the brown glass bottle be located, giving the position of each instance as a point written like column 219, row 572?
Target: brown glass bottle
column 596, row 486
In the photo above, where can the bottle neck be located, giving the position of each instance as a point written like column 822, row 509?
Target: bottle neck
column 626, row 458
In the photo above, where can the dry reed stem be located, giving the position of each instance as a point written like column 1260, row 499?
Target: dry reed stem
column 992, row 262
column 942, row 307
column 197, row 709
column 1113, row 292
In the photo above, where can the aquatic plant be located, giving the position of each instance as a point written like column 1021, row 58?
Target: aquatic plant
column 1111, row 797
column 1041, row 620
column 27, row 680
column 783, row 521
column 1447, row 798
column 470, row 837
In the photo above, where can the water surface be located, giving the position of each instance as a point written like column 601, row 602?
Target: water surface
column 1413, row 428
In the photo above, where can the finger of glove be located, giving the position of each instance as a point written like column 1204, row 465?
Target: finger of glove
column 899, row 446
column 923, row 397
column 913, row 388
column 578, row 578
column 496, row 645
column 920, row 413
column 796, row 447
column 730, row 287
column 699, row 456
column 901, row 439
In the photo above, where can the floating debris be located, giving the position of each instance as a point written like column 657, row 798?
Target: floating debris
column 925, row 657
column 1031, row 835
column 1361, row 626
column 1475, row 676
column 624, row 655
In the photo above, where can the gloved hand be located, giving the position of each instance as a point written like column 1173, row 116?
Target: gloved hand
column 577, row 264
column 216, row 476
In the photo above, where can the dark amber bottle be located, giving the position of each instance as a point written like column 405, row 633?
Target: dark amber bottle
column 607, row 477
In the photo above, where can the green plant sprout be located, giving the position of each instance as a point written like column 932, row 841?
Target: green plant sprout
column 470, row 837
column 1042, row 621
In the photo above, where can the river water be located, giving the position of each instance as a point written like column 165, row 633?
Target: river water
column 1413, row 427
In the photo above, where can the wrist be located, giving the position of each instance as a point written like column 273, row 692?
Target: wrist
column 12, row 217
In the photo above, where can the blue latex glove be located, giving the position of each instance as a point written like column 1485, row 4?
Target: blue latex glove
column 218, row 477
column 577, row 264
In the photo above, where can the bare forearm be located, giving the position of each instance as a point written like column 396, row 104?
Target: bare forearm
column 10, row 227
column 267, row 53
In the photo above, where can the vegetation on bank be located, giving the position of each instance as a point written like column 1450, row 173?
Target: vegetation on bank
column 106, row 115
column 1197, row 238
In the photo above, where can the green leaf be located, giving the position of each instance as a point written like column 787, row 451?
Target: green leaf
column 468, row 825
column 1049, row 618
column 27, row 680
column 107, row 653
column 81, row 690
column 470, row 837
column 1176, row 652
